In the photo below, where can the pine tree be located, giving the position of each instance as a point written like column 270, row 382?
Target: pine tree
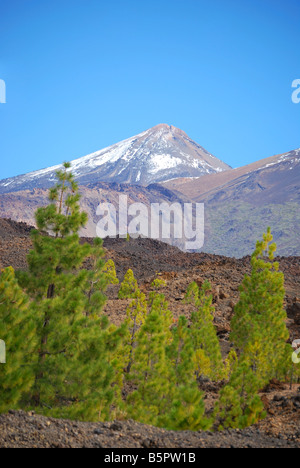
column 151, row 368
column 259, row 328
column 17, row 330
column 208, row 357
column 136, row 314
column 118, row 358
column 187, row 407
column 167, row 393
column 239, row 405
column 94, row 281
column 231, row 363
column 109, row 272
column 73, row 372
column 150, row 372
column 157, row 302
column 129, row 288
column 259, row 333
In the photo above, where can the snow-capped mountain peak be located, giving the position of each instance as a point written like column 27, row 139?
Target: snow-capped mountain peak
column 158, row 154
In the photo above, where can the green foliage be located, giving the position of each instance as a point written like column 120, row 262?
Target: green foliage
column 231, row 363
column 73, row 370
column 208, row 358
column 150, row 372
column 96, row 280
column 109, row 271
column 235, row 226
column 289, row 368
column 18, row 331
column 187, row 408
column 129, row 288
column 136, row 314
column 67, row 360
column 240, row 406
column 259, row 329
column 158, row 284
column 259, row 334
column 118, row 359
column 167, row 393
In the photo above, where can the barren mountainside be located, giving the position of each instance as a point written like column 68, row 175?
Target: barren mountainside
column 280, row 171
column 148, row 258
column 164, row 165
column 240, row 203
column 21, row 205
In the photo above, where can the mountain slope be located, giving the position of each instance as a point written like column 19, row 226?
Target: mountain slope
column 161, row 153
column 239, row 203
column 247, row 201
column 277, row 181
column 21, row 205
column 198, row 189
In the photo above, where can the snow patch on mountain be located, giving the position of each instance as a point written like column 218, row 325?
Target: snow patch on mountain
column 287, row 157
column 160, row 162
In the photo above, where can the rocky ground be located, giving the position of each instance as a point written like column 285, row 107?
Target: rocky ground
column 23, row 430
column 148, row 259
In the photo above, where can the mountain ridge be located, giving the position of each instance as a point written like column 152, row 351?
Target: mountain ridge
column 239, row 203
column 160, row 153
column 197, row 189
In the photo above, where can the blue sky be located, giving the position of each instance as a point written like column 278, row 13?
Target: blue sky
column 84, row 74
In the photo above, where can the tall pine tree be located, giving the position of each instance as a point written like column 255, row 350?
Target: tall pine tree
column 18, row 331
column 150, row 369
column 73, row 371
column 187, row 409
column 259, row 330
column 259, row 334
column 135, row 314
column 208, row 357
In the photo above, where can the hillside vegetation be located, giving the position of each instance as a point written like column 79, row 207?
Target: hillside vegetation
column 65, row 358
